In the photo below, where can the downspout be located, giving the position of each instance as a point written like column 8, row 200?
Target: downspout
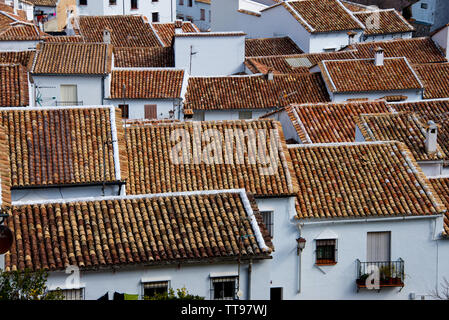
column 250, row 270
column 299, row 261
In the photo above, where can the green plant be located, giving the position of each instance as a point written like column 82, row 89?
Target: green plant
column 386, row 272
column 181, row 294
column 26, row 285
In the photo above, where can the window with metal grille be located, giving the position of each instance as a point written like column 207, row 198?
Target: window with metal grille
column 326, row 251
column 73, row 294
column 151, row 289
column 125, row 110
column 267, row 217
column 243, row 115
column 223, row 288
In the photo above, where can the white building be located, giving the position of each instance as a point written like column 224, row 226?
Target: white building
column 196, row 11
column 17, row 33
column 431, row 12
column 154, row 10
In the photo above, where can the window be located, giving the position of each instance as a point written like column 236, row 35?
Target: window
column 125, row 110
column 245, row 115
column 69, row 95
column 326, row 252
column 83, row 2
column 179, row 17
column 73, row 294
column 424, row 5
column 276, row 294
column 223, row 288
column 329, row 49
column 190, row 3
column 267, row 217
column 150, row 289
column 112, row 2
column 134, row 4
column 155, row 16
column 202, row 14
column 181, row 2
column 378, row 246
column 150, row 111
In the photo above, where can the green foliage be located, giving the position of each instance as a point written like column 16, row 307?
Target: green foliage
column 181, row 294
column 26, row 285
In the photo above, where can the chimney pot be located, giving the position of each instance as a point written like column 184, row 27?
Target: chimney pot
column 107, row 36
column 431, row 137
column 178, row 26
column 270, row 74
column 379, row 57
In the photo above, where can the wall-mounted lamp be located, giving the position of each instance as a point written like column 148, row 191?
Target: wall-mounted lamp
column 300, row 244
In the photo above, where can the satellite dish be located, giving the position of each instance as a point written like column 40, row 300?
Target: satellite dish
column 6, row 239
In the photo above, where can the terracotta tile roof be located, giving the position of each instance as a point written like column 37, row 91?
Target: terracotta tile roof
column 44, row 3
column 53, row 146
column 390, row 21
column 25, row 58
column 299, row 63
column 10, row 9
column 166, row 31
column 76, row 38
column 14, row 28
column 203, row 1
column 363, row 75
column 403, row 126
column 152, row 57
column 330, row 122
column 322, row 15
column 354, row 7
column 416, row 50
column 435, row 110
column 73, row 58
column 252, row 92
column 150, row 229
column 146, row 84
column 126, row 31
column 5, row 171
column 211, row 34
column 13, row 86
column 153, row 169
column 435, row 78
column 270, row 47
column 441, row 186
column 360, row 180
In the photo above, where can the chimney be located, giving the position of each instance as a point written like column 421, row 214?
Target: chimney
column 431, row 137
column 16, row 6
column 351, row 35
column 270, row 74
column 107, row 36
column 379, row 57
column 178, row 26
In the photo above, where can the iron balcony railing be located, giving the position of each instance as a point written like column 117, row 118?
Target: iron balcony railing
column 388, row 273
column 68, row 103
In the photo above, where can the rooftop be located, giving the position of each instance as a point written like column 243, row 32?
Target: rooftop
column 361, row 180
column 441, row 186
column 362, row 75
column 435, row 78
column 390, row 21
column 14, row 90
column 151, row 57
column 149, row 229
column 270, row 47
column 166, row 31
column 253, row 92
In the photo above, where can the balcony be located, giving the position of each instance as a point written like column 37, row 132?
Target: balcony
column 389, row 273
column 68, row 103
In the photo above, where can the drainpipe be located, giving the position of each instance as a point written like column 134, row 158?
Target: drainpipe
column 250, row 270
column 300, row 245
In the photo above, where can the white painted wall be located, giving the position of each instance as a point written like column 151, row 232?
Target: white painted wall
column 422, row 14
column 18, row 45
column 390, row 36
column 213, row 55
column 441, row 38
column 319, row 42
column 206, row 115
column 137, row 109
column 195, row 278
column 411, row 240
column 165, row 8
column 412, row 95
column 90, row 88
column 287, row 126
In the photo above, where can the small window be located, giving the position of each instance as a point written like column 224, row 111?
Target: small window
column 134, row 4
column 155, row 16
column 181, row 2
column 150, row 111
column 190, row 3
column 150, row 289
column 243, row 115
column 326, row 252
column 424, row 5
column 267, row 217
column 276, row 294
column 329, row 49
column 83, row 2
column 73, row 294
column 202, row 14
column 125, row 110
column 112, row 2
column 223, row 288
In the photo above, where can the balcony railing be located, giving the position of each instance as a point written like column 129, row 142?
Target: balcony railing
column 68, row 103
column 389, row 273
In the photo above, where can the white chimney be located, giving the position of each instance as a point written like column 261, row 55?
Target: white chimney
column 379, row 57
column 351, row 35
column 16, row 6
column 431, row 137
column 178, row 26
column 270, row 74
column 107, row 36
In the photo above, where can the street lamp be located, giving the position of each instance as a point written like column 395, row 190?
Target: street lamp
column 300, row 244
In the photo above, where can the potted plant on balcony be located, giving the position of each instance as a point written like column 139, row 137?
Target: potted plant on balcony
column 385, row 275
column 361, row 281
